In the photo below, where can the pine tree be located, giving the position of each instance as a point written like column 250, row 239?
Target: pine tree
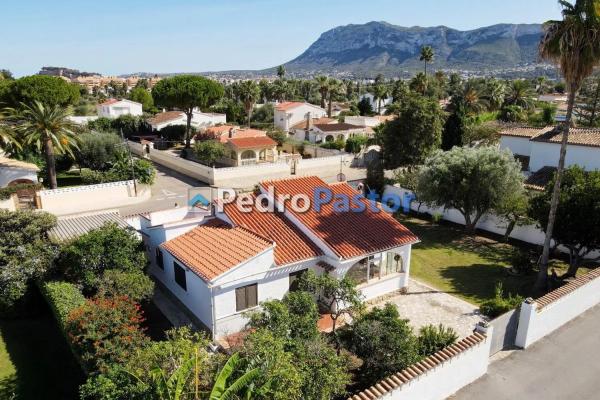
column 588, row 103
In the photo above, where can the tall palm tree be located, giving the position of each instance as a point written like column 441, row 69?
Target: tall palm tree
column 249, row 93
column 427, row 55
column 574, row 44
column 380, row 92
column 520, row 93
column 8, row 136
column 473, row 100
column 323, row 85
column 494, row 93
column 47, row 127
column 334, row 89
column 419, row 83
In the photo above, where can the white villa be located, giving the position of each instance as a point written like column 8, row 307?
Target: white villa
column 199, row 119
column 113, row 108
column 221, row 266
column 289, row 113
column 538, row 149
column 367, row 121
column 326, row 130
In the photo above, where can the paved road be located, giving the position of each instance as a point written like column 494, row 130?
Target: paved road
column 563, row 365
column 170, row 188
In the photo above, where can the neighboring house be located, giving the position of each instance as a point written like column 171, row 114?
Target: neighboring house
column 329, row 132
column 13, row 172
column 250, row 150
column 367, row 121
column 226, row 265
column 71, row 227
column 199, row 119
column 289, row 113
column 538, row 149
column 113, row 108
column 375, row 102
column 82, row 119
column 224, row 132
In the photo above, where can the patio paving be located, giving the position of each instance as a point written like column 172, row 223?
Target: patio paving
column 423, row 305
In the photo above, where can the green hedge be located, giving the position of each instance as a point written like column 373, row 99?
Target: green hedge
column 63, row 297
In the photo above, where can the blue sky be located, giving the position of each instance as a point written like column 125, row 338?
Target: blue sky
column 116, row 37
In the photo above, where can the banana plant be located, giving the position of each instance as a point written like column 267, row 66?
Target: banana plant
column 223, row 390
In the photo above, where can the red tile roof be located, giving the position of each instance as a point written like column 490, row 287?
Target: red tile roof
column 165, row 117
column 341, row 126
column 252, row 142
column 214, row 248
column 109, row 102
column 524, row 131
column 291, row 244
column 347, row 234
column 577, row 136
column 288, row 105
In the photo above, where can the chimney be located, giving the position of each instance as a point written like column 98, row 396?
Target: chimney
column 231, row 132
column 309, row 121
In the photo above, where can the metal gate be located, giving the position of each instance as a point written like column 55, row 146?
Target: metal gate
column 505, row 331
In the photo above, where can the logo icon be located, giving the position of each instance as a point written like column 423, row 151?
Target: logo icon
column 199, row 199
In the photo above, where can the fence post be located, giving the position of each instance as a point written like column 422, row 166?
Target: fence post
column 526, row 322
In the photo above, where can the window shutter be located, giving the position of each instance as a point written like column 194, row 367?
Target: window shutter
column 251, row 296
column 240, row 299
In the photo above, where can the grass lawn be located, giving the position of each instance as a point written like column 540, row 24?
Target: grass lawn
column 68, row 178
column 35, row 362
column 466, row 266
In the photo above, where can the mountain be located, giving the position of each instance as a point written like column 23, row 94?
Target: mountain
column 380, row 47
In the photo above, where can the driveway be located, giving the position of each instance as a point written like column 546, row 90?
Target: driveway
column 424, row 305
column 563, row 365
column 170, row 188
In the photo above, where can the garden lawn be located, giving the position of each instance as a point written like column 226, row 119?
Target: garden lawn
column 466, row 266
column 68, row 178
column 35, row 362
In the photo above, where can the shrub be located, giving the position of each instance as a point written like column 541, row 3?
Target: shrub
column 277, row 135
column 105, row 332
column 134, row 284
column 98, row 151
column 522, row 261
column 8, row 191
column 354, row 144
column 338, row 144
column 209, row 151
column 62, row 297
column 101, row 124
column 434, row 338
column 500, row 304
column 173, row 133
column 109, row 247
column 144, row 171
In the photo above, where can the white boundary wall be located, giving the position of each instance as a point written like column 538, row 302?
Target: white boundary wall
column 490, row 223
column 442, row 380
column 9, row 204
column 78, row 199
column 536, row 321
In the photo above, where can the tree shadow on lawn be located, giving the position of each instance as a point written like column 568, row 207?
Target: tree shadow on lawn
column 45, row 366
column 477, row 282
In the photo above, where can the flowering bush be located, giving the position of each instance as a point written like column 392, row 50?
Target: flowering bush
column 105, row 331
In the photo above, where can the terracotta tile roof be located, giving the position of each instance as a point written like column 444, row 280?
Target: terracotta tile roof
column 165, row 117
column 12, row 163
column 109, row 102
column 252, row 142
column 214, row 248
column 288, row 105
column 566, row 289
column 315, row 121
column 414, row 371
column 577, row 136
column 539, row 179
column 524, row 131
column 341, row 126
column 385, row 118
column 291, row 245
column 347, row 234
column 217, row 130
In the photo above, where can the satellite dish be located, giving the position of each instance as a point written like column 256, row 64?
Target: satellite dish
column 341, row 177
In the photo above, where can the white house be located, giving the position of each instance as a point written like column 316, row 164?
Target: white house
column 367, row 121
column 13, row 172
column 327, row 132
column 113, row 108
column 199, row 119
column 224, row 266
column 376, row 102
column 290, row 113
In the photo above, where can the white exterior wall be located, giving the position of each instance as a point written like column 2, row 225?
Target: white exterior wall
column 448, row 377
column 518, row 145
column 9, row 204
column 362, row 121
column 374, row 103
column 534, row 324
column 286, row 119
column 79, row 199
column 547, row 154
column 10, row 174
column 123, row 107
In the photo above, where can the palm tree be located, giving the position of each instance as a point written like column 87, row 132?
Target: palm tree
column 473, row 101
column 281, row 71
column 520, row 94
column 323, row 85
column 334, row 88
column 419, row 83
column 249, row 94
column 574, row 44
column 380, row 92
column 494, row 93
column 222, row 390
column 427, row 55
column 8, row 136
column 48, row 127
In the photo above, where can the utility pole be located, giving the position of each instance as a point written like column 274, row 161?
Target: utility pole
column 130, row 163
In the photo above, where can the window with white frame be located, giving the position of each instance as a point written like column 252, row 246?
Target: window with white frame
column 375, row 267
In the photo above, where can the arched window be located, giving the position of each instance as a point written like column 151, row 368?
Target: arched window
column 248, row 155
column 262, row 155
column 329, row 138
column 340, row 137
